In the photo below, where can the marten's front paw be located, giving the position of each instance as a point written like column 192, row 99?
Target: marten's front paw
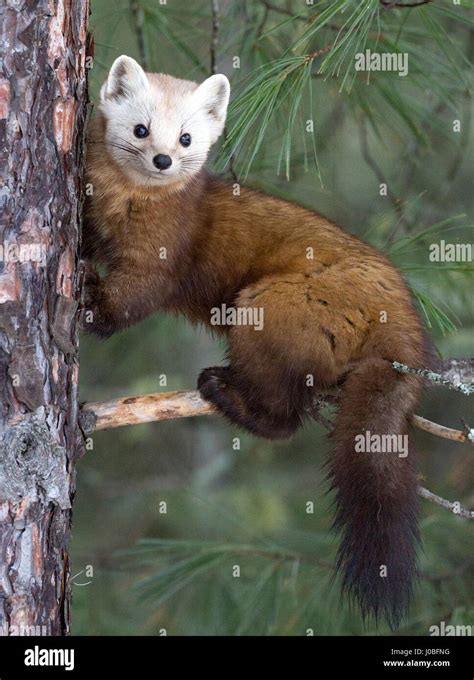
column 93, row 322
column 92, row 286
column 93, row 318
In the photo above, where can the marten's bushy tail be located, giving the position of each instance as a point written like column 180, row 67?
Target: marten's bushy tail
column 376, row 492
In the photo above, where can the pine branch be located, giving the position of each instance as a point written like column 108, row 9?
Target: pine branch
column 267, row 95
column 278, row 555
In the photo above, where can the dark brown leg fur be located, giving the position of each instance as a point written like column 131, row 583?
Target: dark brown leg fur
column 265, row 389
column 218, row 386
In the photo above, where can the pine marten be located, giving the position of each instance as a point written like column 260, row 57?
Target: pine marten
column 334, row 311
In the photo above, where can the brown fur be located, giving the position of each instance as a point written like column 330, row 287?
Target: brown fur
column 321, row 318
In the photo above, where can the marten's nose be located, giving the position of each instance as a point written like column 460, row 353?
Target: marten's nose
column 162, row 162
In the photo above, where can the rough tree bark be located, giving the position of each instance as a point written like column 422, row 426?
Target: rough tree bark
column 42, row 115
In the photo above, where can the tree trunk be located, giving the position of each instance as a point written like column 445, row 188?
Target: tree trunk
column 43, row 104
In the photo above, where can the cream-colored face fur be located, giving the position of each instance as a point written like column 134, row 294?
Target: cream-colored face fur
column 167, row 108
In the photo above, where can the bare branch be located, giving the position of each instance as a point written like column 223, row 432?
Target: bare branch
column 263, row 21
column 453, row 506
column 270, row 7
column 145, row 409
column 435, row 378
column 213, row 58
column 457, row 370
column 169, row 405
column 391, row 5
column 281, row 10
column 138, row 19
column 441, row 430
column 214, row 34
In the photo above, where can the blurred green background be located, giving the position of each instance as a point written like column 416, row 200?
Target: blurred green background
column 165, row 512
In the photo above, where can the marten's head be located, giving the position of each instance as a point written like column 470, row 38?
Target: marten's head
column 159, row 129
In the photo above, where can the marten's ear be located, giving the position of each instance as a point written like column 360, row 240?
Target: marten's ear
column 126, row 78
column 213, row 96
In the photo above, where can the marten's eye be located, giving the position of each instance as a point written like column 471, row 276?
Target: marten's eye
column 185, row 140
column 140, row 131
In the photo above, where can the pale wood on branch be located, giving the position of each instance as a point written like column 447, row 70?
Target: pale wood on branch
column 169, row 405
column 440, row 430
column 144, row 409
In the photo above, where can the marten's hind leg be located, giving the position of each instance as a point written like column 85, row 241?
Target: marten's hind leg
column 219, row 385
column 275, row 367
